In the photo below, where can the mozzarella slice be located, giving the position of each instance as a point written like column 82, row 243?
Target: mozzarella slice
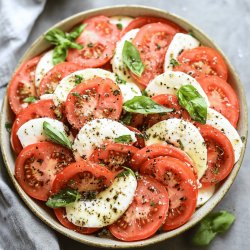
column 204, row 194
column 181, row 134
column 123, row 20
column 94, row 133
column 169, row 83
column 44, row 65
column 221, row 123
column 68, row 83
column 108, row 206
column 129, row 90
column 118, row 66
column 179, row 43
column 32, row 131
column 46, row 97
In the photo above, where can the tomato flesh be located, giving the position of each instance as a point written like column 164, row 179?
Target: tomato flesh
column 222, row 97
column 146, row 214
column 202, row 61
column 22, row 85
column 180, row 182
column 95, row 98
column 37, row 165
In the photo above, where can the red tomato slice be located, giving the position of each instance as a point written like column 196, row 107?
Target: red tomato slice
column 152, row 42
column 168, row 101
column 220, row 155
column 55, row 75
column 83, row 176
column 140, row 142
column 157, row 150
column 37, row 165
column 143, row 20
column 43, row 108
column 114, row 155
column 95, row 98
column 146, row 214
column 180, row 183
column 22, row 84
column 98, row 39
column 202, row 61
column 221, row 97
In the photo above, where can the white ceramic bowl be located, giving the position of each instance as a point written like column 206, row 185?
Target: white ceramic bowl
column 45, row 214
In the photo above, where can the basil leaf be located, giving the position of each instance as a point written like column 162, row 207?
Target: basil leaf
column 30, row 99
column 63, row 198
column 126, row 119
column 144, row 92
column 211, row 225
column 78, row 79
column 118, row 80
column 124, row 139
column 174, row 62
column 76, row 32
column 8, row 126
column 52, row 36
column 126, row 172
column 190, row 99
column 144, row 105
column 119, row 26
column 55, row 135
column 131, row 58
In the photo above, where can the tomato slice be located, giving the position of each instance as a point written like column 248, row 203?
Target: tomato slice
column 140, row 142
column 168, row 101
column 37, row 165
column 43, row 108
column 146, row 214
column 83, row 176
column 22, row 85
column 221, row 97
column 55, row 75
column 152, row 42
column 143, row 20
column 180, row 183
column 114, row 155
column 95, row 98
column 202, row 61
column 157, row 150
column 98, row 39
column 220, row 155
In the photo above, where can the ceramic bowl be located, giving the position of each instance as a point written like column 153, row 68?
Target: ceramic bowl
column 45, row 214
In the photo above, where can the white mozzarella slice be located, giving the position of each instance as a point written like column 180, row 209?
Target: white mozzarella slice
column 94, row 133
column 204, row 194
column 108, row 206
column 46, row 97
column 68, row 83
column 32, row 131
column 121, row 20
column 129, row 90
column 169, row 83
column 118, row 66
column 182, row 134
column 44, row 65
column 221, row 123
column 179, row 43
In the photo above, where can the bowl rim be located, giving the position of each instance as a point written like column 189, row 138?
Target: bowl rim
column 217, row 197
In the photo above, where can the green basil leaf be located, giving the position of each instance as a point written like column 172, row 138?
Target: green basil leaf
column 126, row 119
column 190, row 99
column 119, row 26
column 211, row 225
column 52, row 36
column 78, row 79
column 76, row 32
column 118, row 80
column 124, row 139
column 174, row 62
column 30, row 99
column 144, row 105
column 126, row 172
column 8, row 126
column 59, row 54
column 144, row 92
column 55, row 135
column 63, row 198
column 131, row 58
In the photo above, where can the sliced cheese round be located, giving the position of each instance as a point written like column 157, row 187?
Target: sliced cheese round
column 179, row 43
column 181, row 134
column 108, row 206
column 218, row 121
column 32, row 131
column 129, row 91
column 44, row 65
column 94, row 133
column 204, row 194
column 121, row 21
column 169, row 83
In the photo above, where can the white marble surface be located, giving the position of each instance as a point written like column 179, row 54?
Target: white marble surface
column 227, row 22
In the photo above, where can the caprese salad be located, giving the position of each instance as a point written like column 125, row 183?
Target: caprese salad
column 125, row 124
